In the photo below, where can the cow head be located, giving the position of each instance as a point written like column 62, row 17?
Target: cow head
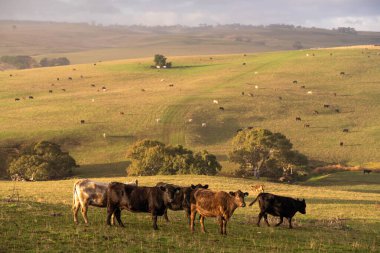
column 170, row 192
column 301, row 206
column 199, row 186
column 239, row 197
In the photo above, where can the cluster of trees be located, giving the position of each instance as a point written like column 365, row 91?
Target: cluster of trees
column 259, row 152
column 149, row 157
column 26, row 62
column 348, row 30
column 160, row 61
column 41, row 161
column 19, row 61
column 61, row 61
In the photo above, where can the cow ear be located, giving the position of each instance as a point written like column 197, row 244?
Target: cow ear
column 206, row 186
column 193, row 186
column 232, row 193
column 246, row 194
column 303, row 200
column 162, row 188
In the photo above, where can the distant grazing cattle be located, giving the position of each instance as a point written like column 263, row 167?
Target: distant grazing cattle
column 171, row 85
column 256, row 86
column 50, row 91
column 221, row 108
column 104, row 135
column 313, row 54
column 309, row 92
column 306, row 125
column 337, row 110
column 307, row 54
column 275, row 205
column 182, row 200
column 250, row 127
column 215, row 204
column 315, row 112
column 298, row 119
column 190, row 120
column 204, row 124
column 93, row 85
column 295, row 82
column 17, row 99
column 345, row 130
column 239, row 130
column 303, row 87
column 210, row 58
column 153, row 200
column 244, row 63
column 10, row 75
column 63, row 89
column 57, row 78
column 142, row 89
column 250, row 94
column 89, row 193
column 258, row 188
column 242, row 93
column 342, row 73
column 326, row 106
column 82, row 121
column 366, row 171
column 158, row 120
column 70, row 78
column 162, row 80
column 341, row 143
column 331, row 54
column 94, row 64
column 74, row 69
column 215, row 101
column 52, row 84
column 93, row 100
column 121, row 113
column 280, row 97
column 244, row 55
column 31, row 97
column 334, row 94
column 81, row 76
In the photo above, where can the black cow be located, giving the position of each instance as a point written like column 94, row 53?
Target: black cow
column 221, row 108
column 366, row 171
column 298, row 119
column 182, row 200
column 154, row 200
column 278, row 206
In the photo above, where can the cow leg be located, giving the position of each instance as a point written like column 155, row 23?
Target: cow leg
column 220, row 220
column 224, row 226
column 290, row 222
column 261, row 214
column 192, row 218
column 266, row 219
column 84, row 212
column 166, row 215
column 188, row 212
column 202, row 220
column 75, row 211
column 281, row 220
column 154, row 218
column 110, row 212
column 117, row 213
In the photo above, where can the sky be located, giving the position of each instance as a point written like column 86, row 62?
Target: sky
column 363, row 15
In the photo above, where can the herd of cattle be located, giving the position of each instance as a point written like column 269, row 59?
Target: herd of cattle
column 192, row 199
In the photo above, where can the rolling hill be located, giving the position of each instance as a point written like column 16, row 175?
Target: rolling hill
column 137, row 95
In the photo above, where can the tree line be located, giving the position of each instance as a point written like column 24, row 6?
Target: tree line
column 26, row 62
column 258, row 153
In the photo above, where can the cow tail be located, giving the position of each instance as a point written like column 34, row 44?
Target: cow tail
column 74, row 193
column 254, row 201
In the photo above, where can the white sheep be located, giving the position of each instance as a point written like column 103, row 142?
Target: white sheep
column 215, row 101
column 204, row 124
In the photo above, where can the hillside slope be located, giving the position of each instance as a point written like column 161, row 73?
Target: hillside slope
column 143, row 95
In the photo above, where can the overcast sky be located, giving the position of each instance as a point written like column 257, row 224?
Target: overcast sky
column 360, row 14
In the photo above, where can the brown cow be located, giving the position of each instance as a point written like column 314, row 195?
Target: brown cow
column 87, row 192
column 215, row 204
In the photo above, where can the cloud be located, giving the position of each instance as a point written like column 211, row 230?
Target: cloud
column 362, row 15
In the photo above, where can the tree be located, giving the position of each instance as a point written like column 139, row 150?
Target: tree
column 150, row 157
column 260, row 152
column 61, row 61
column 160, row 60
column 42, row 161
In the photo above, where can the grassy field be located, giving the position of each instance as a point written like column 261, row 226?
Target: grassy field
column 198, row 80
column 343, row 215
